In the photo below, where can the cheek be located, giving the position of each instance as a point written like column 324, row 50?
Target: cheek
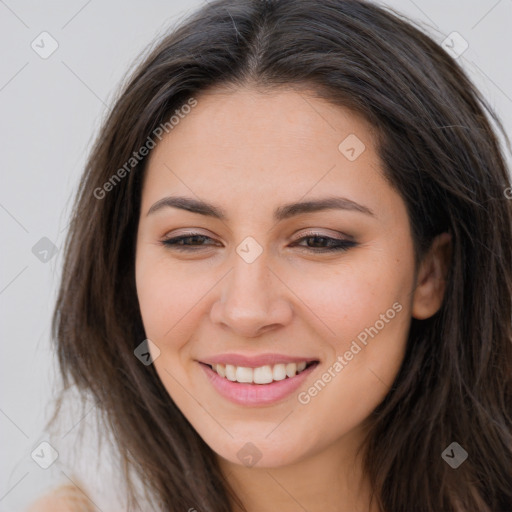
column 371, row 336
column 361, row 376
column 173, row 298
column 370, row 313
column 367, row 310
column 352, row 296
column 161, row 294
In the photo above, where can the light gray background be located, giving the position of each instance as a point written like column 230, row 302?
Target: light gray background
column 50, row 110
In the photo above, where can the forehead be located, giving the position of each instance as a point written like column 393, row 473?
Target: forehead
column 249, row 145
column 245, row 121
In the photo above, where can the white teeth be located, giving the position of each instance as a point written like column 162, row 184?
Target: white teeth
column 261, row 375
column 279, row 372
column 220, row 369
column 231, row 372
column 291, row 369
column 244, row 374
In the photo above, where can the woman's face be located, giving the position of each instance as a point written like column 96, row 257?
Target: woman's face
column 253, row 287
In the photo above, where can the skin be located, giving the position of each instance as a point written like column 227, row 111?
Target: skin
column 66, row 498
column 249, row 152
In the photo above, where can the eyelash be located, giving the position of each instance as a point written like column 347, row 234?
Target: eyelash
column 341, row 245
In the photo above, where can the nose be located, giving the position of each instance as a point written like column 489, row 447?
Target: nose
column 252, row 299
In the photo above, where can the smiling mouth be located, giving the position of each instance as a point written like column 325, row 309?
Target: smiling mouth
column 261, row 375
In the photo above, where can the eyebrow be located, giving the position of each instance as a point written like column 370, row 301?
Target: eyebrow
column 281, row 213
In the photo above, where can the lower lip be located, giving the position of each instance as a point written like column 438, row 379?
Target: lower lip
column 256, row 394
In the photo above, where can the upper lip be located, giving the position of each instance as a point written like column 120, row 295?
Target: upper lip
column 255, row 361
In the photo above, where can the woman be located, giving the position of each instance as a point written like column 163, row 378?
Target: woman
column 288, row 277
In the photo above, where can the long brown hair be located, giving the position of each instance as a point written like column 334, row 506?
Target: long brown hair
column 439, row 150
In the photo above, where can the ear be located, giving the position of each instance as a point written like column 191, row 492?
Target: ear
column 431, row 279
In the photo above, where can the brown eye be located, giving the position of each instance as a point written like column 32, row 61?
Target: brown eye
column 322, row 243
column 186, row 242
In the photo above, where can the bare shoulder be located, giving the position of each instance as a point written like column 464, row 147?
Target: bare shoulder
column 66, row 498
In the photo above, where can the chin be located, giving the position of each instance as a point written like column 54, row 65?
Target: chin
column 260, row 452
